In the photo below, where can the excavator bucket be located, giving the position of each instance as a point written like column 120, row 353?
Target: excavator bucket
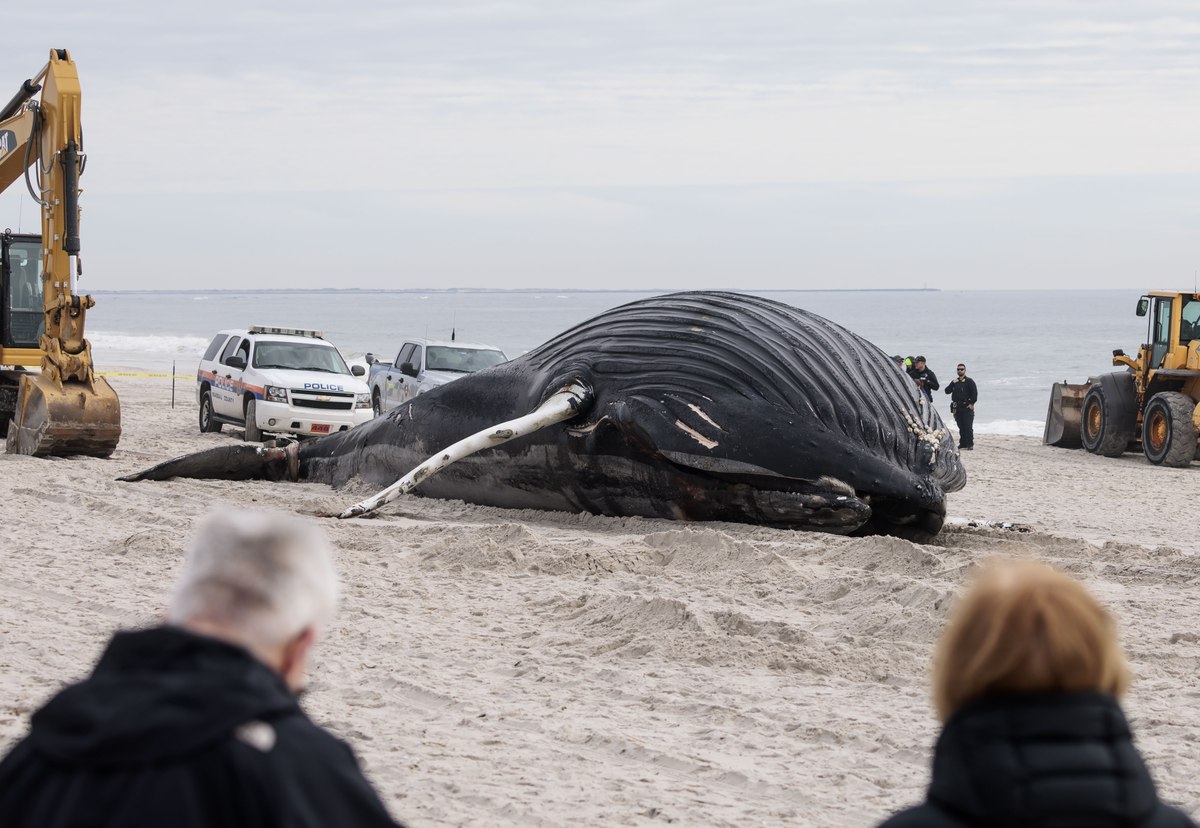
column 1064, row 415
column 53, row 420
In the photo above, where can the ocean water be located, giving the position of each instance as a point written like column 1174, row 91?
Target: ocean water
column 1015, row 343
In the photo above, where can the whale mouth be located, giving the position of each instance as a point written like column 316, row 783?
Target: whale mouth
column 903, row 519
column 835, row 511
column 708, row 486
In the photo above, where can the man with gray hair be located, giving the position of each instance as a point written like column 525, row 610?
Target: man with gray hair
column 195, row 723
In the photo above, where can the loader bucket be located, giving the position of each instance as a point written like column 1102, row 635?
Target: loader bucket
column 57, row 421
column 1064, row 415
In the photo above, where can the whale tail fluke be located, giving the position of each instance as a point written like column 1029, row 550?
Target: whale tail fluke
column 278, row 460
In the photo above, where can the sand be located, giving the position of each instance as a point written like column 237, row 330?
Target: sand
column 496, row 667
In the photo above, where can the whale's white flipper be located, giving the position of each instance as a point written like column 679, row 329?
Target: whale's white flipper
column 562, row 405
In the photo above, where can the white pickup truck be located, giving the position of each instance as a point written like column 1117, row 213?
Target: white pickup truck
column 422, row 364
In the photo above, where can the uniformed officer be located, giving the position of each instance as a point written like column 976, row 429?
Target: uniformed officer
column 963, row 395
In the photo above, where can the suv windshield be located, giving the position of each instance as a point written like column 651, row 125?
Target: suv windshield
column 462, row 360
column 299, row 356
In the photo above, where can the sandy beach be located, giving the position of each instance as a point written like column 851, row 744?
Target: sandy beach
column 496, row 667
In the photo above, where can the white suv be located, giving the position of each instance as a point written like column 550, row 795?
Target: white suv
column 282, row 380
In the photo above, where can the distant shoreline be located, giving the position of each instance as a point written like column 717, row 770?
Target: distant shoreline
column 241, row 291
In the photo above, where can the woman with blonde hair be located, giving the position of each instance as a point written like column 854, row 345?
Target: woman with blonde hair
column 1026, row 681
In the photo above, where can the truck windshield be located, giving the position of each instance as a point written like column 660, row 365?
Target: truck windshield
column 461, row 360
column 299, row 356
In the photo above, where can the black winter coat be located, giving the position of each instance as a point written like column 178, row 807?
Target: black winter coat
column 1041, row 761
column 926, row 379
column 963, row 391
column 184, row 730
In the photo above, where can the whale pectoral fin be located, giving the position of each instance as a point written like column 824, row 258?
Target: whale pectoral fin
column 564, row 404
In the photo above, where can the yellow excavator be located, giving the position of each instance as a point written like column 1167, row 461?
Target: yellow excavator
column 63, row 408
column 1153, row 404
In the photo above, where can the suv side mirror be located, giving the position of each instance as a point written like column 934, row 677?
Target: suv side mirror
column 236, row 361
column 408, row 369
column 358, row 370
column 1143, row 306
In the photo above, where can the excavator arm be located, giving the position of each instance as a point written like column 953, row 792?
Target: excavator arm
column 66, row 408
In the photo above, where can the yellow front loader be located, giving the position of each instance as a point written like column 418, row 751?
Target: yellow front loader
column 1153, row 404
column 62, row 407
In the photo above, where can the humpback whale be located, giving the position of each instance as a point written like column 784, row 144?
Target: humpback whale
column 701, row 405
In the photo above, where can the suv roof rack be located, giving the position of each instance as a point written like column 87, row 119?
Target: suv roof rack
column 273, row 329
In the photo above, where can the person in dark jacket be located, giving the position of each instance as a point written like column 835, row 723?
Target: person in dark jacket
column 963, row 396
column 925, row 379
column 1026, row 680
column 196, row 723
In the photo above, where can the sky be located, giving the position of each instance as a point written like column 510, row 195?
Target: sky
column 658, row 144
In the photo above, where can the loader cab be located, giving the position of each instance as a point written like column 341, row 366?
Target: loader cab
column 21, row 317
column 1189, row 320
column 1158, row 308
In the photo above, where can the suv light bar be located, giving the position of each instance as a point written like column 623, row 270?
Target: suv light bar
column 271, row 329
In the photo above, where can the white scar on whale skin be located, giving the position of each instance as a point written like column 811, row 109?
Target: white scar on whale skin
column 704, row 416
column 695, row 435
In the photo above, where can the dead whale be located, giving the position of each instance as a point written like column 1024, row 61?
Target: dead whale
column 690, row 406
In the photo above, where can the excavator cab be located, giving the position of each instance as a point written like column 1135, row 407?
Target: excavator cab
column 22, row 321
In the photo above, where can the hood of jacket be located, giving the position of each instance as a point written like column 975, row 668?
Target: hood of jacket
column 157, row 694
column 1042, row 760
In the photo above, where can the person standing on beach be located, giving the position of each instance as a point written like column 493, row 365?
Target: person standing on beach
column 1026, row 680
column 925, row 379
column 196, row 723
column 963, row 395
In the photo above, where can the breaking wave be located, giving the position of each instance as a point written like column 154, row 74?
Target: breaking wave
column 1017, row 428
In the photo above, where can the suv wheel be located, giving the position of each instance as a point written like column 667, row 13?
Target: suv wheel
column 207, row 423
column 253, row 432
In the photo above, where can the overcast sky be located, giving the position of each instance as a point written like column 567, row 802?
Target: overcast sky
column 653, row 144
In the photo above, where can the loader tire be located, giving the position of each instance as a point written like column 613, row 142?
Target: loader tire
column 1101, row 429
column 208, row 423
column 253, row 432
column 1168, row 433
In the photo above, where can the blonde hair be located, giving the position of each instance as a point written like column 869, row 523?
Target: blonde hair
column 1026, row 627
column 269, row 576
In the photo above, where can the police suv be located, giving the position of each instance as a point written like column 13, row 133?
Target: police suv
column 282, row 380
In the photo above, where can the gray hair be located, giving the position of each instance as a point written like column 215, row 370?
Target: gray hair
column 268, row 575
